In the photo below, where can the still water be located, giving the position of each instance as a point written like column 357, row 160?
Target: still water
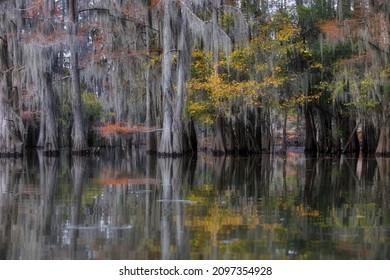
column 128, row 205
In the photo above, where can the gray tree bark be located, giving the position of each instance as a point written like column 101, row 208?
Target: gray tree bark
column 48, row 132
column 166, row 148
column 11, row 127
column 173, row 139
column 79, row 140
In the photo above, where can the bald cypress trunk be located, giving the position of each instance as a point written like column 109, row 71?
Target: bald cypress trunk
column 167, row 89
column 381, row 51
column 174, row 138
column 11, row 135
column 383, row 147
column 79, row 140
column 151, row 144
column 48, row 138
column 219, row 144
column 310, row 142
column 50, row 147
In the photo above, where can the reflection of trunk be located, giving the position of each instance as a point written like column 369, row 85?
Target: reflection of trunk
column 178, row 175
column 324, row 193
column 219, row 178
column 310, row 169
column 150, row 163
column 78, row 170
column 48, row 182
column 265, row 178
column 384, row 179
column 173, row 176
column 10, row 123
column 166, row 214
column 369, row 166
column 10, row 170
column 384, row 170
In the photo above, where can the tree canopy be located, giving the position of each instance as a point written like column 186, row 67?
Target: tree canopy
column 223, row 76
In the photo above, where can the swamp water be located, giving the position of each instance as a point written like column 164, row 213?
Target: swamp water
column 128, row 205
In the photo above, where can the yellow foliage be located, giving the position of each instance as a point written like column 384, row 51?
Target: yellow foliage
column 317, row 65
column 254, row 71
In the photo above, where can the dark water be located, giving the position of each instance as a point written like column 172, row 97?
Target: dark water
column 127, row 205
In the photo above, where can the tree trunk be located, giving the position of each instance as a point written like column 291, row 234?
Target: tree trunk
column 324, row 131
column 179, row 133
column 266, row 138
column 254, row 131
column 369, row 141
column 79, row 140
column 241, row 138
column 218, row 147
column 284, row 144
column 151, row 145
column 228, row 135
column 192, row 140
column 48, row 137
column 383, row 147
column 11, row 136
column 174, row 138
column 166, row 148
column 352, row 144
column 310, row 141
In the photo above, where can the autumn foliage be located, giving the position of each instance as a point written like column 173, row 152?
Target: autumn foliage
column 332, row 30
column 121, row 128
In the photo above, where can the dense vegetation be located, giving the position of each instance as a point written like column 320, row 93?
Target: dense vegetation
column 179, row 76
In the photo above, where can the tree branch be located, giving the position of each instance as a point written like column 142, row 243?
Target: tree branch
column 97, row 9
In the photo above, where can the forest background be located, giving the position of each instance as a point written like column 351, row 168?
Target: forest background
column 178, row 76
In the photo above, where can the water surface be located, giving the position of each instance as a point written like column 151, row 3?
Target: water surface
column 128, row 205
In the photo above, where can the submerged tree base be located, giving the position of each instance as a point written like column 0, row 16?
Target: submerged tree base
column 171, row 155
column 86, row 152
column 382, row 155
column 51, row 153
column 11, row 155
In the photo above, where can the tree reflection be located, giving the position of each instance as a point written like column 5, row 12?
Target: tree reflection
column 175, row 176
column 324, row 214
column 127, row 205
column 79, row 165
column 10, row 181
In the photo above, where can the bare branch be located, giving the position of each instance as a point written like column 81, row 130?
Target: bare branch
column 136, row 21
